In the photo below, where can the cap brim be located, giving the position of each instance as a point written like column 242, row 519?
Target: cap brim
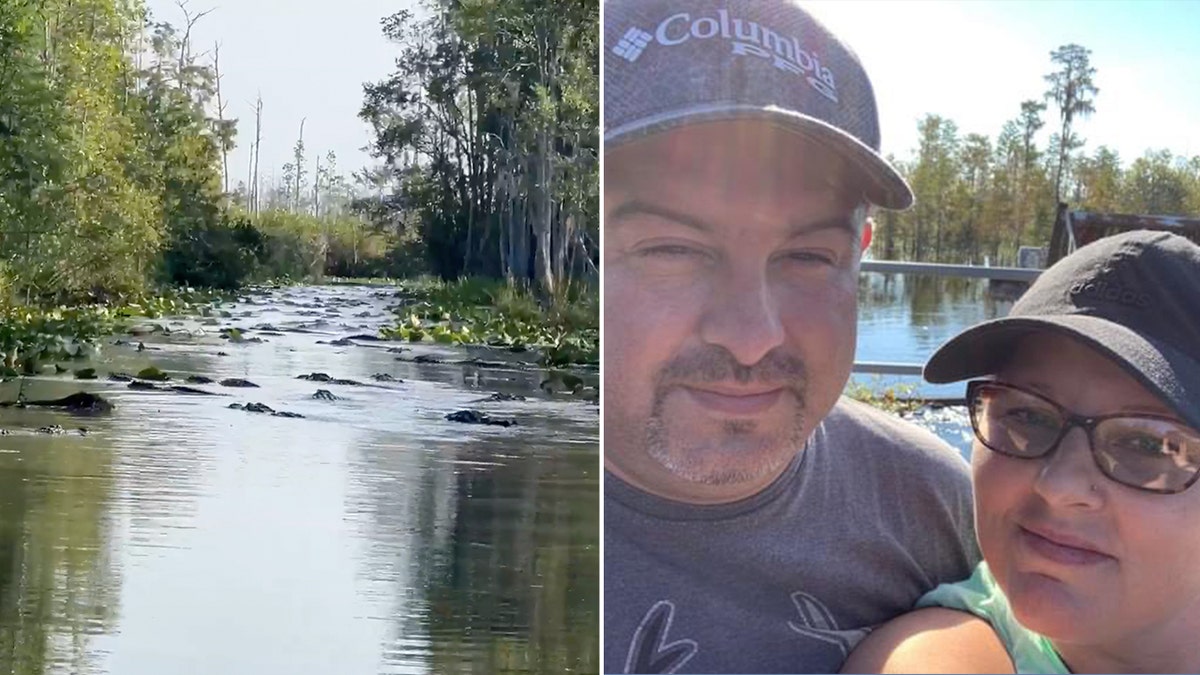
column 883, row 186
column 1164, row 370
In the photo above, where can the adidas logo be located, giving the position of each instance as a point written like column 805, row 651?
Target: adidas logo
column 746, row 38
column 1111, row 292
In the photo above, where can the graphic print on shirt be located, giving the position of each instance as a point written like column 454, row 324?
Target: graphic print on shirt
column 649, row 652
column 817, row 622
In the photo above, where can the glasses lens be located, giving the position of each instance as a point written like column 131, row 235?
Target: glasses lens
column 1149, row 453
column 1013, row 422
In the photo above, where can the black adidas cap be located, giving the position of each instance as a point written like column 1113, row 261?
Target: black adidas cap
column 1134, row 297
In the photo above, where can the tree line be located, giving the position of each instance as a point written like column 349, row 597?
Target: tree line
column 487, row 134
column 114, row 144
column 981, row 198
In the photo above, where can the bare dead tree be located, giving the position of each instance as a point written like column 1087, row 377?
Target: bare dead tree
column 258, row 108
column 317, row 189
column 250, row 180
column 189, row 21
column 221, row 113
column 299, row 153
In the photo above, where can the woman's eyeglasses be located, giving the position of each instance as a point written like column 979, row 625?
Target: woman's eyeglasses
column 1147, row 452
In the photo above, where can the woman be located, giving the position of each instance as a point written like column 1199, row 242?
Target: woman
column 1085, row 460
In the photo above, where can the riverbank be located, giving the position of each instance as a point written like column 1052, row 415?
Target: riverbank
column 492, row 312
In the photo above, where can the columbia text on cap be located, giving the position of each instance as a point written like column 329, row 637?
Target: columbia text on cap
column 668, row 63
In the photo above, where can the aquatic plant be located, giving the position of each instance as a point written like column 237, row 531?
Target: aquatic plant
column 475, row 311
column 898, row 399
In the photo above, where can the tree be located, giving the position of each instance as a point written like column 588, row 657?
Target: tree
column 1098, row 182
column 489, row 135
column 1073, row 91
column 933, row 180
column 1156, row 183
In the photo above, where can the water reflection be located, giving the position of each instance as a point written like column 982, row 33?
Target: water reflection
column 904, row 318
column 58, row 583
column 496, row 540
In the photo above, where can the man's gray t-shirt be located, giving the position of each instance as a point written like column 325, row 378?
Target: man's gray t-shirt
column 873, row 513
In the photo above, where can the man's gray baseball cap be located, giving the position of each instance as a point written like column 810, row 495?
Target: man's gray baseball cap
column 670, row 63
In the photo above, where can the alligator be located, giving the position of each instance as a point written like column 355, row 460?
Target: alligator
column 322, row 377
column 481, row 363
column 180, row 389
column 500, row 396
column 238, row 382
column 326, row 395
column 82, row 402
column 265, row 409
column 476, row 417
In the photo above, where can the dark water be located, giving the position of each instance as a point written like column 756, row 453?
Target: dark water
column 372, row 536
column 904, row 318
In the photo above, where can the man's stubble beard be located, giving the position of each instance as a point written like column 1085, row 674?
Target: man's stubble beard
column 733, row 465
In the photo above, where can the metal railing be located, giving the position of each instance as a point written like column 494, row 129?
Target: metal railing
column 937, row 269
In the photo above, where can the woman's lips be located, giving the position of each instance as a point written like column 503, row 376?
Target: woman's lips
column 1061, row 548
column 735, row 402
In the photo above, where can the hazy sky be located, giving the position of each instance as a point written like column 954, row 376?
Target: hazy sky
column 308, row 58
column 973, row 62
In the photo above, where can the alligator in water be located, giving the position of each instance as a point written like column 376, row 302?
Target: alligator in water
column 500, row 396
column 238, row 382
column 476, row 417
column 82, row 402
column 322, row 377
column 265, row 409
column 139, row 385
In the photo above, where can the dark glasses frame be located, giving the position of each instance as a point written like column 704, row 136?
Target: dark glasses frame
column 1070, row 420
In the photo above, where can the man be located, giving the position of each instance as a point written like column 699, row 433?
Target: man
column 754, row 520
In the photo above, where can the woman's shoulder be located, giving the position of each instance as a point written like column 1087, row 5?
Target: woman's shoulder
column 931, row 640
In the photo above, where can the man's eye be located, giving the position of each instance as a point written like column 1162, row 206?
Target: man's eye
column 671, row 251
column 810, row 257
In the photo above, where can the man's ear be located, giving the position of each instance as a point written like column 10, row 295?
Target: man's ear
column 867, row 232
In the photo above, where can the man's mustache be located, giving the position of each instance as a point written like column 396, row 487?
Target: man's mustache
column 712, row 363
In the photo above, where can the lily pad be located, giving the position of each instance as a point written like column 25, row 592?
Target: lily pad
column 153, row 373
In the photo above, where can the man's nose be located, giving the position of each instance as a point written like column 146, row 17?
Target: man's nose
column 743, row 316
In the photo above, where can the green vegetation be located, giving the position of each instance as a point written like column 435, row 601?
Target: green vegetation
column 488, row 133
column 114, row 188
column 33, row 336
column 980, row 198
column 898, row 399
column 480, row 311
